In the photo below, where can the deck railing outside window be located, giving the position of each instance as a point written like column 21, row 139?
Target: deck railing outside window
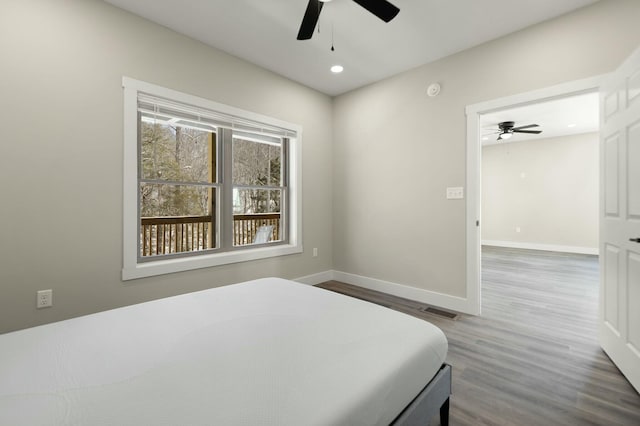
column 245, row 227
column 179, row 234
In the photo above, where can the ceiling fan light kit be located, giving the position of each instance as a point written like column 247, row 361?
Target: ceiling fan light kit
column 506, row 129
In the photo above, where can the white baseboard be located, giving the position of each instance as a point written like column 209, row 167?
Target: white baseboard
column 314, row 279
column 545, row 247
column 431, row 298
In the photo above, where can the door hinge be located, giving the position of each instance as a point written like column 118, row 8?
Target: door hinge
column 477, row 223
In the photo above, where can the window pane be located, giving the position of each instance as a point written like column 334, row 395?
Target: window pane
column 176, row 153
column 251, row 201
column 257, row 163
column 176, row 219
column 256, row 216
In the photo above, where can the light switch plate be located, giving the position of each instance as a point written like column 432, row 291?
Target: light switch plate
column 455, row 193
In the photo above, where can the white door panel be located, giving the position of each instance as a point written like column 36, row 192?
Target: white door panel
column 611, row 159
column 633, row 158
column 619, row 333
column 633, row 90
column 611, row 103
column 633, row 267
column 610, row 264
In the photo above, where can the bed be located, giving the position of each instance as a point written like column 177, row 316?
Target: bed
column 263, row 352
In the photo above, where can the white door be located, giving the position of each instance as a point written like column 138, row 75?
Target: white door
column 619, row 332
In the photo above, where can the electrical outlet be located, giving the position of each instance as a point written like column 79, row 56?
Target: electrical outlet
column 44, row 298
column 315, row 252
column 518, row 229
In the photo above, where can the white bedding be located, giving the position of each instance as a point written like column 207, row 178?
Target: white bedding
column 264, row 352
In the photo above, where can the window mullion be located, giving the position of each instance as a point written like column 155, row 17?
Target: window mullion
column 226, row 212
column 284, row 197
column 214, row 176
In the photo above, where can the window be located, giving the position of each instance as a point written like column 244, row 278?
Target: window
column 205, row 184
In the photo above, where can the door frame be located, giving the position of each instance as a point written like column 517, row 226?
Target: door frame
column 474, row 169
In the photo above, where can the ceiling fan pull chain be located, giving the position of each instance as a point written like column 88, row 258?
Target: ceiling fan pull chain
column 332, row 49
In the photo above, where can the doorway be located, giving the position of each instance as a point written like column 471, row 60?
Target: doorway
column 475, row 132
column 540, row 178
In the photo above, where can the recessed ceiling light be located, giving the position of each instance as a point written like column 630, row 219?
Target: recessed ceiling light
column 572, row 125
column 336, row 69
column 485, row 138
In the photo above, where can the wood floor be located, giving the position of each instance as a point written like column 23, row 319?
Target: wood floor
column 532, row 357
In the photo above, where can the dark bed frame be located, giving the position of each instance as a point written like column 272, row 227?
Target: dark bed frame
column 434, row 397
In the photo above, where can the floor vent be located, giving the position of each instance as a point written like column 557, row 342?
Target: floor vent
column 440, row 313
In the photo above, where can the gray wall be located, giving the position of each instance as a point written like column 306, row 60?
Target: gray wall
column 373, row 203
column 61, row 104
column 546, row 187
column 396, row 150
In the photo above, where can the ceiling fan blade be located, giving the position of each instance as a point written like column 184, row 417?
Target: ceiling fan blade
column 310, row 19
column 381, row 8
column 533, row 132
column 525, row 127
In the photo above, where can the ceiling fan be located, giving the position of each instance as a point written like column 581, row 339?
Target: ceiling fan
column 381, row 8
column 506, row 129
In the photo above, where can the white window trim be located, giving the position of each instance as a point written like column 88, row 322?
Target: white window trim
column 132, row 269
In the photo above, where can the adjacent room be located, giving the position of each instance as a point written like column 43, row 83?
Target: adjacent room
column 540, row 195
column 540, row 190
column 238, row 212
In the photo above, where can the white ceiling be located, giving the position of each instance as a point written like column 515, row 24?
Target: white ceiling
column 264, row 33
column 560, row 117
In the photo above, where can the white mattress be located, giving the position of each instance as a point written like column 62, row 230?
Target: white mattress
column 264, row 352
